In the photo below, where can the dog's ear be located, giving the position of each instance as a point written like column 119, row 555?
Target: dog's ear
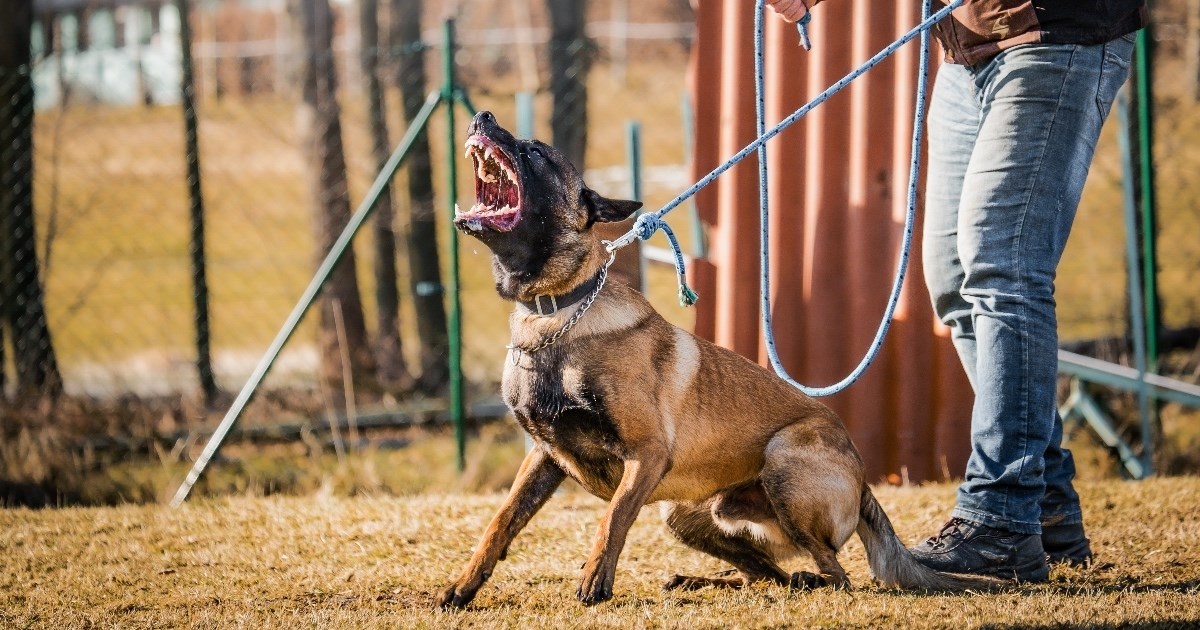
column 601, row 209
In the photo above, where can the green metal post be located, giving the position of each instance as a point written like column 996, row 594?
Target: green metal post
column 633, row 155
column 461, row 97
column 455, row 322
column 1149, row 229
column 1145, row 107
column 204, row 369
column 1137, row 309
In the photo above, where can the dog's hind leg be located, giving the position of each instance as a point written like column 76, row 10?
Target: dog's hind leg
column 813, row 478
column 693, row 525
column 536, row 480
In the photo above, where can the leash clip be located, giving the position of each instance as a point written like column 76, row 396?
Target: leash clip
column 802, row 29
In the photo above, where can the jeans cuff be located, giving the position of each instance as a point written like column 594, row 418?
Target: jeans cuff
column 1069, row 516
column 991, row 520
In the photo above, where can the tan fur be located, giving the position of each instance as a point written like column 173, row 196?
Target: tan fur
column 751, row 470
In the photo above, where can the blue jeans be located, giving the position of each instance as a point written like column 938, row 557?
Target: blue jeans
column 1010, row 144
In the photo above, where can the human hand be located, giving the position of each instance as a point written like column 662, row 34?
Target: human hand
column 789, row 10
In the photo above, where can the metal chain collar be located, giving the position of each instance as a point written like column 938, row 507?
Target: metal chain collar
column 516, row 350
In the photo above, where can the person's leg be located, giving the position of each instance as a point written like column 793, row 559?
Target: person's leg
column 1063, row 537
column 954, row 118
column 1041, row 109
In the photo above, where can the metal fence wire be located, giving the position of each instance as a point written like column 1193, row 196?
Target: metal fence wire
column 135, row 264
column 138, row 265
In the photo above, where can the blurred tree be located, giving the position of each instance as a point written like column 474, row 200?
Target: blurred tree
column 319, row 119
column 570, row 60
column 423, row 261
column 22, row 309
column 571, row 54
column 389, row 350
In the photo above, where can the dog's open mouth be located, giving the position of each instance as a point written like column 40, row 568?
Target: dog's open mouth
column 497, row 188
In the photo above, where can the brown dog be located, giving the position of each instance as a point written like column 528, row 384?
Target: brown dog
column 636, row 410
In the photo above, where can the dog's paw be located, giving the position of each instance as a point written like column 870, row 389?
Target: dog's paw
column 595, row 587
column 450, row 598
column 456, row 595
column 805, row 581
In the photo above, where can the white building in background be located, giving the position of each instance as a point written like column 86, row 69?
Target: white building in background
column 120, row 52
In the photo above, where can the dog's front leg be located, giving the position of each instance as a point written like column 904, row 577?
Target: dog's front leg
column 536, row 480
column 640, row 478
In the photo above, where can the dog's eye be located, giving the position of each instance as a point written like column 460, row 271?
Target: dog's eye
column 536, row 151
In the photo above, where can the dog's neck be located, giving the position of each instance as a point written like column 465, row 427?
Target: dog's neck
column 523, row 279
column 549, row 304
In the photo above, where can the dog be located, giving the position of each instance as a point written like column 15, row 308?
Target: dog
column 636, row 410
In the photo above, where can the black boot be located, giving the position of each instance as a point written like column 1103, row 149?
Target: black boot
column 1066, row 544
column 967, row 547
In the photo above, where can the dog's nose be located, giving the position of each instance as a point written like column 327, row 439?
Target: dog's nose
column 481, row 121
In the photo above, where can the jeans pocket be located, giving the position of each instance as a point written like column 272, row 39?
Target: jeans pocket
column 1120, row 50
column 1114, row 69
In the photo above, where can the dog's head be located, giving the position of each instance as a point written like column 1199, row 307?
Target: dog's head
column 534, row 212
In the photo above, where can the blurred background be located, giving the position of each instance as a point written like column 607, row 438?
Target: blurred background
column 163, row 206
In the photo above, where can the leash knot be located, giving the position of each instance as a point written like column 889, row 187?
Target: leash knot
column 645, row 227
column 647, row 224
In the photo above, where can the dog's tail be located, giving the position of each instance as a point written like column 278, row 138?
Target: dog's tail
column 894, row 565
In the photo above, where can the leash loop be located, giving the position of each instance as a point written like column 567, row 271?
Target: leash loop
column 645, row 227
column 909, row 217
column 648, row 223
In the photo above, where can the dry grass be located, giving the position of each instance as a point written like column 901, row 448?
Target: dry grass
column 377, row 562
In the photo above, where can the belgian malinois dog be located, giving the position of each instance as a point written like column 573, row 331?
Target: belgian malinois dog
column 636, row 410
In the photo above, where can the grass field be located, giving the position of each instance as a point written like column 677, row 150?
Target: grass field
column 377, row 562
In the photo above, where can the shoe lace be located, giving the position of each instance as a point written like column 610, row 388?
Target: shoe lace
column 948, row 531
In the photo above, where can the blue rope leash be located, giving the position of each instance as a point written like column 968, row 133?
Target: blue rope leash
column 648, row 223
column 764, row 224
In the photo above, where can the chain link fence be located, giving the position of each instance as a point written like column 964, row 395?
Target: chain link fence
column 142, row 277
column 158, row 262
